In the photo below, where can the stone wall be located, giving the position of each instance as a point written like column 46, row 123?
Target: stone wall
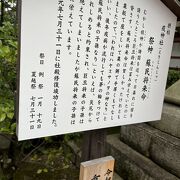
column 149, row 150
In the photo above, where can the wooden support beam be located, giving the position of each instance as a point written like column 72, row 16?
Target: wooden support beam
column 173, row 6
column 176, row 39
column 93, row 145
column 175, row 57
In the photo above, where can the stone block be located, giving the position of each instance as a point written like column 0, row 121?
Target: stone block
column 170, row 120
column 165, row 151
column 159, row 146
column 172, row 94
column 116, row 177
column 131, row 165
column 138, row 137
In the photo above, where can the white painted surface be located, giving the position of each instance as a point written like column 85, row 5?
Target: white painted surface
column 38, row 35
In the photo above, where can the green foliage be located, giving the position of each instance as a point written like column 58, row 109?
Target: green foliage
column 8, row 59
column 173, row 76
column 8, row 56
column 73, row 136
column 39, row 171
column 9, row 10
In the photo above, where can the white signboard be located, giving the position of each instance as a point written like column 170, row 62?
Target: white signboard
column 90, row 64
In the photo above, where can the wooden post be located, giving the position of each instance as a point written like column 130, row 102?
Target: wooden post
column 98, row 169
column 93, row 145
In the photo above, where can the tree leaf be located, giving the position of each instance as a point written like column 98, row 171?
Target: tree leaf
column 10, row 115
column 2, row 117
column 13, row 127
column 39, row 171
column 45, row 170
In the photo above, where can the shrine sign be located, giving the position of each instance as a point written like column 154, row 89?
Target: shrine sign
column 91, row 64
column 97, row 169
